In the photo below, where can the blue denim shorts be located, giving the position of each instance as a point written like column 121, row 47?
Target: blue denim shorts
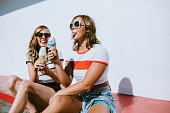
column 95, row 96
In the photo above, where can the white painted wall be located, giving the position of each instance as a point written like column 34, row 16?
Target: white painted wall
column 135, row 32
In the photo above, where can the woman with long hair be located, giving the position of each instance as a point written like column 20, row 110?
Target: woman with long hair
column 44, row 80
column 88, row 63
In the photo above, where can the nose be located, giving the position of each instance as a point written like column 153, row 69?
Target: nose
column 73, row 28
column 43, row 37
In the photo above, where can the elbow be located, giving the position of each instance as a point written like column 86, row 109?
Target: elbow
column 87, row 86
column 66, row 84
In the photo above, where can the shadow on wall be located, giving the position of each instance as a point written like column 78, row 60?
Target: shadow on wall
column 7, row 6
column 125, row 100
column 125, row 86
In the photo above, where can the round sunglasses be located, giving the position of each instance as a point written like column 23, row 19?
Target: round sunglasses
column 41, row 35
column 76, row 25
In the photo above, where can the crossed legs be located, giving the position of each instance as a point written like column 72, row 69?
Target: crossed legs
column 34, row 96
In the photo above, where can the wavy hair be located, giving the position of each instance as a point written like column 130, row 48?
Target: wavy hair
column 90, row 32
column 34, row 47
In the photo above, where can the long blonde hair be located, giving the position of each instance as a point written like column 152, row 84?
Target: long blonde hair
column 90, row 32
column 34, row 47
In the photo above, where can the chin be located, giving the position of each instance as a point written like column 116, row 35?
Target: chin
column 43, row 45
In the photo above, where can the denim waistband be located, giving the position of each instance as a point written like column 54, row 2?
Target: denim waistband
column 105, row 88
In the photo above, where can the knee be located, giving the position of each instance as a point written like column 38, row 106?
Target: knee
column 24, row 85
column 11, row 81
column 34, row 111
column 60, row 100
column 64, row 103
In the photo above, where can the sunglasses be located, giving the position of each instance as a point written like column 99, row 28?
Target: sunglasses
column 41, row 35
column 76, row 25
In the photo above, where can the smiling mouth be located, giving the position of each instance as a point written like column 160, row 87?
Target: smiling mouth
column 43, row 41
column 74, row 34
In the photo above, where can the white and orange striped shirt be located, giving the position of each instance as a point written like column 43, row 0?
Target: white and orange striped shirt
column 82, row 62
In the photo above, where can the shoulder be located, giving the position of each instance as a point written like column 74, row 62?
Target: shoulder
column 28, row 58
column 100, row 49
column 100, row 53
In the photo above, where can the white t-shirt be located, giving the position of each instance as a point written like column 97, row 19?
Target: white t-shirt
column 82, row 62
column 45, row 78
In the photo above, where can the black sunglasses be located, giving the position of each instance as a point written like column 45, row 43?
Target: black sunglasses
column 76, row 25
column 41, row 34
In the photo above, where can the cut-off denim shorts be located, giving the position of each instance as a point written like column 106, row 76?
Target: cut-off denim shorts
column 95, row 96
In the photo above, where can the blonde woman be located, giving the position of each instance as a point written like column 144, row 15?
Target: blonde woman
column 88, row 63
column 44, row 78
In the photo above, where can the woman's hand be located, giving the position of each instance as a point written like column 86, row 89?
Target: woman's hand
column 39, row 63
column 52, row 58
column 42, row 66
column 45, row 70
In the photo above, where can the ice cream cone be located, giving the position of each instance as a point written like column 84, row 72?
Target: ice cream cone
column 42, row 58
column 42, row 54
column 52, row 45
column 53, row 49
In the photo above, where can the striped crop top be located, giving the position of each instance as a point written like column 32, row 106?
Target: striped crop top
column 82, row 62
column 45, row 78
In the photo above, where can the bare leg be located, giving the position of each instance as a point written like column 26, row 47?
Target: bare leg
column 13, row 83
column 64, row 104
column 43, row 94
column 99, row 109
column 18, row 107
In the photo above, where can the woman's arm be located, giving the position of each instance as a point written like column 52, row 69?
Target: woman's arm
column 64, row 76
column 58, row 75
column 93, row 74
column 33, row 72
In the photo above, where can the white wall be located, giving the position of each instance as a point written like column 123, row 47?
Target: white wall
column 135, row 32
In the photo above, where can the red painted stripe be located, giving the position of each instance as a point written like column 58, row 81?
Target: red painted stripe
column 7, row 97
column 84, row 65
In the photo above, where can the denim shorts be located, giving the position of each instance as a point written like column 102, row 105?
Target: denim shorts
column 95, row 96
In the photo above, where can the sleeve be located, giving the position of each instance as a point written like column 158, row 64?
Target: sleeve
column 101, row 56
column 28, row 59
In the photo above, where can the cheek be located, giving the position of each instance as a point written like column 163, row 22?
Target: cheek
column 82, row 32
column 38, row 40
column 47, row 39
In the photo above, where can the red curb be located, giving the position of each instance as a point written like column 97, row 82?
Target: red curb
column 7, row 97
